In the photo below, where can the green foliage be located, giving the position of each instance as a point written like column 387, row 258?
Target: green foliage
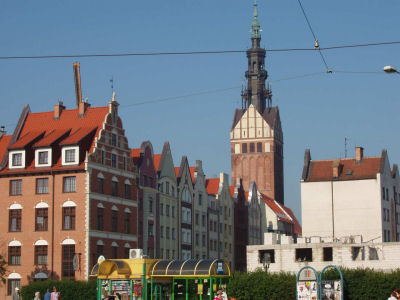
column 359, row 284
column 3, row 264
column 77, row 290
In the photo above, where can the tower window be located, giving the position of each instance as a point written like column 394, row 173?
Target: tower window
column 259, row 147
column 244, row 148
column 252, row 147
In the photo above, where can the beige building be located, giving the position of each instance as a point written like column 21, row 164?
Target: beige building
column 350, row 197
column 200, row 208
column 169, row 221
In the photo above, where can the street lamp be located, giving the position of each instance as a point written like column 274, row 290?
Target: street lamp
column 390, row 70
column 266, row 261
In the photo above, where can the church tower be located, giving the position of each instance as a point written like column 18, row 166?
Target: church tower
column 256, row 134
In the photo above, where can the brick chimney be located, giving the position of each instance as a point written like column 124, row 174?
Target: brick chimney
column 82, row 107
column 336, row 168
column 58, row 108
column 359, row 154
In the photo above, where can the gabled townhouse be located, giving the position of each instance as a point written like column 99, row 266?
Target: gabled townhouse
column 185, row 201
column 169, row 220
column 148, row 200
column 225, row 206
column 200, row 208
column 255, row 232
column 68, row 188
column 212, row 216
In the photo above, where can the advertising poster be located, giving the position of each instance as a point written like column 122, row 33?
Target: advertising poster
column 328, row 290
column 307, row 290
column 338, row 290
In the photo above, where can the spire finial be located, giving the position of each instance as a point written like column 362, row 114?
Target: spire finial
column 255, row 26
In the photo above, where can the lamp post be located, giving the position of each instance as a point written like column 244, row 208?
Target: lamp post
column 390, row 70
column 266, row 261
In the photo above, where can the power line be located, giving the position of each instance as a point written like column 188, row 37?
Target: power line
column 192, row 52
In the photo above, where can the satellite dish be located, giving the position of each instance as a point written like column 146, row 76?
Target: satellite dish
column 101, row 257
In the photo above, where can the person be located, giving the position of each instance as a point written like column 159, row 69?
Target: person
column 55, row 295
column 47, row 296
column 219, row 295
column 394, row 295
column 16, row 295
column 37, row 296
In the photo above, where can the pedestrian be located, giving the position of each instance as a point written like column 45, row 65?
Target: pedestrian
column 55, row 295
column 47, row 296
column 219, row 295
column 37, row 296
column 16, row 295
column 394, row 295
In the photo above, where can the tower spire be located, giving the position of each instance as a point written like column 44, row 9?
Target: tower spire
column 255, row 26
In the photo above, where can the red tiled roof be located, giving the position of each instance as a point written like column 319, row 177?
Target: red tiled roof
column 276, row 209
column 212, row 186
column 157, row 160
column 232, row 190
column 69, row 119
column 322, row 170
column 49, row 139
column 26, row 139
column 77, row 136
column 176, row 171
column 192, row 169
column 135, row 154
column 4, row 141
column 297, row 227
column 246, row 194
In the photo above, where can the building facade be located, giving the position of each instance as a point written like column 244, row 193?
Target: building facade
column 256, row 134
column 69, row 187
column 345, row 198
column 241, row 225
column 255, row 232
column 169, row 221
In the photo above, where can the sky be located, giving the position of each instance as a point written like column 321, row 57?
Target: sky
column 317, row 112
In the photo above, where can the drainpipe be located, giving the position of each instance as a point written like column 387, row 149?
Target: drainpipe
column 333, row 213
column 52, row 226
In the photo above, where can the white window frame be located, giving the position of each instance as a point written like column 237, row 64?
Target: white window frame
column 49, row 157
column 63, row 155
column 10, row 160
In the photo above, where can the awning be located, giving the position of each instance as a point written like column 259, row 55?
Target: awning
column 108, row 266
column 191, row 268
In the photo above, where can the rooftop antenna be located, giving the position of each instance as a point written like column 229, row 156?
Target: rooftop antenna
column 112, row 83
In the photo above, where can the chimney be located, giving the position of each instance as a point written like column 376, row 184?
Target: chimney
column 58, row 108
column 2, row 131
column 78, row 89
column 336, row 168
column 359, row 154
column 82, row 107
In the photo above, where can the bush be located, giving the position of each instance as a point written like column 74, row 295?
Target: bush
column 77, row 290
column 359, row 284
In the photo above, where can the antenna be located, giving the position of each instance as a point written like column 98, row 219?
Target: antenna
column 345, row 147
column 112, row 83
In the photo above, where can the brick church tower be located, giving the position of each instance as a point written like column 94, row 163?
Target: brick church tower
column 256, row 134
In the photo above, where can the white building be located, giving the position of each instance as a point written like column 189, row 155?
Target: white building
column 344, row 198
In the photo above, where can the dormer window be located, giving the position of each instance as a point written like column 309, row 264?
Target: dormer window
column 70, row 155
column 16, row 159
column 43, row 157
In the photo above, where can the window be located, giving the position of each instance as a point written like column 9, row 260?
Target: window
column 172, row 191
column 197, row 219
column 203, row 240
column 127, row 190
column 304, row 254
column 127, row 222
column 150, row 206
column 328, row 254
column 197, row 239
column 167, row 254
column 100, row 250
column 12, row 284
column 17, row 160
column 100, row 185
column 200, row 199
column 40, row 255
column 42, row 186
column 100, row 218
column 167, row 187
column 113, row 160
column 383, row 193
column 41, row 219
column 161, row 209
column 252, row 147
column 167, row 232
column 162, row 231
column 244, row 148
column 173, row 233
column 259, row 147
column 167, row 210
column 70, row 155
column 124, row 163
column 67, row 269
column 114, row 252
column 14, row 255
column 69, row 218
column 126, row 252
column 114, row 221
column 173, row 211
column 103, row 157
column 161, row 187
column 114, row 188
column 144, row 180
column 69, row 184
column 15, row 220
column 387, row 194
column 16, row 187
column 266, row 256
column 203, row 220
column 113, row 139
column 150, row 230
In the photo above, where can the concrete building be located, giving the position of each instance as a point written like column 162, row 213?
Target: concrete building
column 256, row 134
column 200, row 208
column 148, row 198
column 68, row 188
column 185, row 201
column 167, row 187
column 345, row 198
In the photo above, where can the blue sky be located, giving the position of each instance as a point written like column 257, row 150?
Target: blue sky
column 317, row 112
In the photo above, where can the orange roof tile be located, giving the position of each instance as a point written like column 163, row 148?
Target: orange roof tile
column 232, row 190
column 157, row 160
column 50, row 138
column 276, row 209
column 297, row 227
column 78, row 135
column 135, row 152
column 322, row 170
column 4, row 141
column 176, row 171
column 212, row 186
column 26, row 139
column 246, row 194
column 192, row 169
